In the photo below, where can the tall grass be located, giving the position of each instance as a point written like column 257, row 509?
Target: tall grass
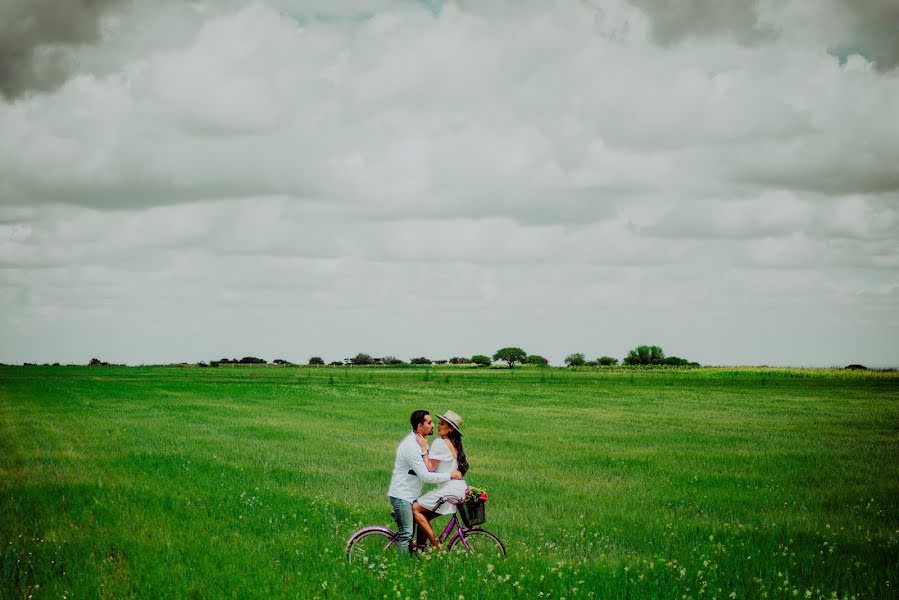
column 246, row 481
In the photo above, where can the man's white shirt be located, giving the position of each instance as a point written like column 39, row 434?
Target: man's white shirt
column 408, row 457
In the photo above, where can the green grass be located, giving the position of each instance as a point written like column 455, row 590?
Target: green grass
column 247, row 481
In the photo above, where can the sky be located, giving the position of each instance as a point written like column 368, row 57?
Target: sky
column 186, row 181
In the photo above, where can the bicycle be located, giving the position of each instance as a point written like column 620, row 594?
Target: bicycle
column 372, row 543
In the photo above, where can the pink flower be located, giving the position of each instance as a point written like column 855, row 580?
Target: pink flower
column 483, row 496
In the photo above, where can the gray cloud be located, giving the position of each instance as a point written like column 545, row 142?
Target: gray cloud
column 866, row 27
column 674, row 21
column 283, row 177
column 871, row 29
column 36, row 37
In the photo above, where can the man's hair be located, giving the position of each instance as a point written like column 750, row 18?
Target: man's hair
column 417, row 418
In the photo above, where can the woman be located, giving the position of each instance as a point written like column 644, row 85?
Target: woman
column 446, row 455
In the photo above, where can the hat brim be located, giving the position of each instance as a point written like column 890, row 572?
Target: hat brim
column 450, row 423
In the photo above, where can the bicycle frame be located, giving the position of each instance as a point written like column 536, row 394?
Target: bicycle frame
column 453, row 524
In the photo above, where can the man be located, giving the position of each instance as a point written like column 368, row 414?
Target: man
column 410, row 474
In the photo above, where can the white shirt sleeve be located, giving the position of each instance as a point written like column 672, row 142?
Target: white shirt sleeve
column 440, row 451
column 413, row 455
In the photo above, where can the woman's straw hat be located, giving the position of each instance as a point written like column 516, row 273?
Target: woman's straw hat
column 454, row 420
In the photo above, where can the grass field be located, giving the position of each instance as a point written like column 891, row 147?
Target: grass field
column 247, row 481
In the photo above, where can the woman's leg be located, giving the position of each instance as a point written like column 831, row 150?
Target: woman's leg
column 419, row 512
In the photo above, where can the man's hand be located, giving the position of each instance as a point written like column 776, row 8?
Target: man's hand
column 422, row 442
column 456, row 475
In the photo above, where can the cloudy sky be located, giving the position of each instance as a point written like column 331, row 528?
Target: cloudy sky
column 183, row 181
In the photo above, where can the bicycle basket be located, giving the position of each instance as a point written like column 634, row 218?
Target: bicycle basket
column 473, row 512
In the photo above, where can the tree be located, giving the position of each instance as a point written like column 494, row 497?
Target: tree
column 458, row 360
column 316, row 360
column 336, row 363
column 645, row 355
column 536, row 359
column 391, row 360
column 481, row 360
column 421, row 360
column 511, row 355
column 575, row 360
column 361, row 359
column 606, row 361
column 251, row 360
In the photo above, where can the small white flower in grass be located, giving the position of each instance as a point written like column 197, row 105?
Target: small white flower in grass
column 490, row 568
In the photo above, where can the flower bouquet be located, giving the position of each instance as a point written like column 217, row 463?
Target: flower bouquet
column 473, row 510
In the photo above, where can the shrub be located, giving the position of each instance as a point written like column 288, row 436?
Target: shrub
column 392, row 360
column 336, row 363
column 536, row 359
column 421, row 360
column 458, row 360
column 481, row 360
column 316, row 360
column 439, row 362
column 607, row 361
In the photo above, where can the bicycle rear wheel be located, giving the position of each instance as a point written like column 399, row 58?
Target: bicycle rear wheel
column 479, row 542
column 370, row 547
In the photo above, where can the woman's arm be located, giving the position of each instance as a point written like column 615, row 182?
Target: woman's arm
column 430, row 463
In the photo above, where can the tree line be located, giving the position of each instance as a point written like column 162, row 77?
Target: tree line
column 511, row 355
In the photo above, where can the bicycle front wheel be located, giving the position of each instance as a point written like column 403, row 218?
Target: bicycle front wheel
column 479, row 542
column 370, row 547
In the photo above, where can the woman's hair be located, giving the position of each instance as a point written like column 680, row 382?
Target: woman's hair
column 456, row 438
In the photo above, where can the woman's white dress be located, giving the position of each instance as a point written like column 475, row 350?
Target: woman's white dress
column 454, row 487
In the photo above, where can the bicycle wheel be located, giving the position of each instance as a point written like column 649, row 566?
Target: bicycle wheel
column 370, row 547
column 481, row 543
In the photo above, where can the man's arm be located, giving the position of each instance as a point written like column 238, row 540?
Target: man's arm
column 418, row 465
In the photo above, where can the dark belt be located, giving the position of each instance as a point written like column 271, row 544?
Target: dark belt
column 411, row 472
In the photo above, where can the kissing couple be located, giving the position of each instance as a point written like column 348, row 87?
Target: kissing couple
column 416, row 464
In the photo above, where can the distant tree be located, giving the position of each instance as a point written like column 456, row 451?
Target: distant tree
column 645, row 355
column 251, row 360
column 336, row 363
column 202, row 365
column 575, row 360
column 481, row 360
column 439, row 362
column 591, row 363
column 536, row 359
column 511, row 355
column 281, row 361
column 606, row 361
column 95, row 362
column 421, row 360
column 361, row 360
column 392, row 360
column 458, row 360
column 857, row 367
column 316, row 360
